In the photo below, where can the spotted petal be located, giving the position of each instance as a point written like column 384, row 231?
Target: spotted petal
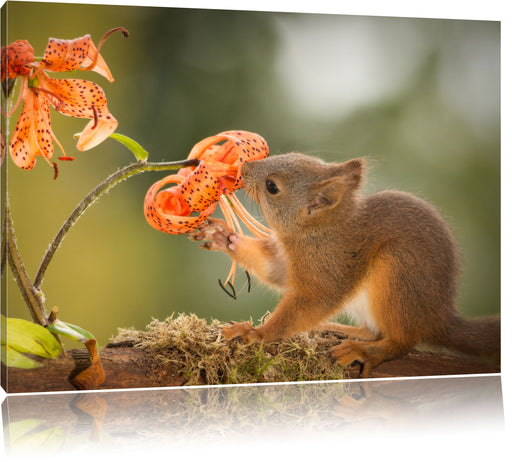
column 74, row 97
column 97, row 131
column 83, row 99
column 239, row 147
column 167, row 211
column 33, row 134
column 69, row 55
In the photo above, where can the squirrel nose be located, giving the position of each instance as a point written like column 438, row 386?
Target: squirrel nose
column 245, row 168
column 249, row 167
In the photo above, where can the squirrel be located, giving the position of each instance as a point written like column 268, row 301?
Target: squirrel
column 388, row 260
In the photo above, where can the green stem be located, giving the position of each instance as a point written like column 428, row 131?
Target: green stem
column 31, row 295
column 102, row 188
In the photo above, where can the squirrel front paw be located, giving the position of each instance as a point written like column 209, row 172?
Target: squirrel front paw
column 244, row 330
column 216, row 234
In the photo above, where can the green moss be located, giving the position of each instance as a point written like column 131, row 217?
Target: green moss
column 196, row 350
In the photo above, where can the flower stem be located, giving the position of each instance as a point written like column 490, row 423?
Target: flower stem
column 31, row 295
column 111, row 181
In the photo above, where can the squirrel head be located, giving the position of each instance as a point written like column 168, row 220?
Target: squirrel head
column 298, row 190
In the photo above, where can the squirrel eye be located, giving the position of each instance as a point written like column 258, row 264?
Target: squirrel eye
column 271, row 187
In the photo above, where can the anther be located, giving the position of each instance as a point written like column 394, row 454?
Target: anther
column 95, row 118
column 248, row 281
column 100, row 44
column 233, row 292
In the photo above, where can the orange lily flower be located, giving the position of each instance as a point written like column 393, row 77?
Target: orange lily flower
column 16, row 59
column 182, row 208
column 33, row 135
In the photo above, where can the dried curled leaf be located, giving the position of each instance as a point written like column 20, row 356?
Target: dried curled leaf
column 94, row 375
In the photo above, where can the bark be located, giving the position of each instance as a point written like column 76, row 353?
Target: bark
column 128, row 367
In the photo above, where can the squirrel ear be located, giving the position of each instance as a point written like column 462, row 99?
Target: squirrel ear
column 352, row 171
column 327, row 194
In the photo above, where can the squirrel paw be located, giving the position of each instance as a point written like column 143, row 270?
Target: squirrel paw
column 349, row 352
column 217, row 234
column 244, row 330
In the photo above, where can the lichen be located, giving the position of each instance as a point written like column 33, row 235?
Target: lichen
column 197, row 350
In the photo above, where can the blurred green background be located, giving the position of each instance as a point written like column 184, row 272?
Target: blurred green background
column 419, row 97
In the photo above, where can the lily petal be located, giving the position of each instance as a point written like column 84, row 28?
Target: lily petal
column 33, row 134
column 97, row 131
column 83, row 99
column 240, row 146
column 74, row 97
column 97, row 62
column 69, row 55
column 167, row 211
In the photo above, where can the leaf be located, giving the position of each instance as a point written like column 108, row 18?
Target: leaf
column 14, row 358
column 47, row 440
column 80, row 330
column 23, row 427
column 138, row 151
column 28, row 337
column 69, row 330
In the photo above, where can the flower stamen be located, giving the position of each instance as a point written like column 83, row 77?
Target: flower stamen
column 232, row 294
column 252, row 224
column 60, row 100
column 100, row 44
column 95, row 113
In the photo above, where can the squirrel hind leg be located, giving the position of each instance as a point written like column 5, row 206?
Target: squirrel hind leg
column 368, row 354
column 386, row 300
column 359, row 333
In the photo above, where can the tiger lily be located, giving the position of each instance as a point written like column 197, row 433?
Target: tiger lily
column 33, row 135
column 182, row 208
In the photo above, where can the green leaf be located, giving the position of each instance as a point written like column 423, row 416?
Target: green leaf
column 22, row 427
column 13, row 358
column 28, row 337
column 80, row 330
column 29, row 435
column 138, row 151
column 48, row 440
column 68, row 330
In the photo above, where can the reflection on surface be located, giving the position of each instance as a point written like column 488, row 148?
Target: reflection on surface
column 61, row 424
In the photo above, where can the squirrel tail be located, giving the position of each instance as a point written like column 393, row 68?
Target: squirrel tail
column 473, row 336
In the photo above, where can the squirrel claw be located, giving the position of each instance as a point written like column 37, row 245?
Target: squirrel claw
column 244, row 330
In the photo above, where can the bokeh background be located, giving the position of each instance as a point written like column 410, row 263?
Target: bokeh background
column 419, row 97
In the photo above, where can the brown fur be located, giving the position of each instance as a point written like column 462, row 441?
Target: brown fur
column 390, row 251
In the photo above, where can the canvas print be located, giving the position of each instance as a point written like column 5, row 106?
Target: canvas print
column 207, row 197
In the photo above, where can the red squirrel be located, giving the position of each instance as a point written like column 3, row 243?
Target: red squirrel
column 388, row 260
